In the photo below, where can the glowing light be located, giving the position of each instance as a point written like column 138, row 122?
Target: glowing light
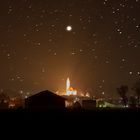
column 69, row 28
column 67, row 84
column 69, row 89
column 87, row 94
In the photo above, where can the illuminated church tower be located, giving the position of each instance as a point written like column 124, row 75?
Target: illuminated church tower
column 69, row 89
column 67, row 84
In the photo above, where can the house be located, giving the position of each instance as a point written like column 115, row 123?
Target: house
column 45, row 100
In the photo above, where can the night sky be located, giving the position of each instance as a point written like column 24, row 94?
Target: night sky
column 100, row 53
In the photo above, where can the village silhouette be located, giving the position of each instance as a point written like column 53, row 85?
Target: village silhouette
column 49, row 105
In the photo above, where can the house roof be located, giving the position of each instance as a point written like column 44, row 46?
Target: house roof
column 46, row 93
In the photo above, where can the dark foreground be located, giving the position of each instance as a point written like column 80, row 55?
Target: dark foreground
column 72, row 115
column 71, row 122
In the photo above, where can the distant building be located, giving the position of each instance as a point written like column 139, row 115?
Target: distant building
column 69, row 89
column 45, row 100
column 80, row 102
column 89, row 104
column 16, row 102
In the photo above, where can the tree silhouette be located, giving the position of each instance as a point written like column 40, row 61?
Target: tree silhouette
column 3, row 96
column 122, row 91
column 4, row 100
column 132, row 101
column 76, row 105
column 136, row 88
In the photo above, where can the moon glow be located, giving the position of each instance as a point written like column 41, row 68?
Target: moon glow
column 69, row 28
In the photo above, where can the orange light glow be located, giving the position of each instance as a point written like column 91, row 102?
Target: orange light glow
column 70, row 90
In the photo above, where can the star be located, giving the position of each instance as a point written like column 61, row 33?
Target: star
column 43, row 42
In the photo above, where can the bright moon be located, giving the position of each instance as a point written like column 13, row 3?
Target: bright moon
column 69, row 28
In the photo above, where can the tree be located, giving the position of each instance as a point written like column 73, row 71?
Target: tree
column 4, row 101
column 3, row 96
column 136, row 88
column 122, row 91
column 76, row 105
column 132, row 101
